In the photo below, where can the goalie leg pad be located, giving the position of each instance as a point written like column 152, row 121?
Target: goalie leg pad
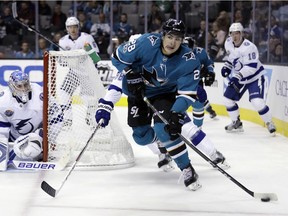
column 3, row 156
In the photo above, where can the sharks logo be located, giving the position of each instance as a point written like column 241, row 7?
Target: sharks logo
column 153, row 39
column 199, row 49
column 152, row 79
column 190, row 55
column 24, row 126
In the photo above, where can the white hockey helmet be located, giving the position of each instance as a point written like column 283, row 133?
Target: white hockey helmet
column 71, row 21
column 235, row 27
column 19, row 85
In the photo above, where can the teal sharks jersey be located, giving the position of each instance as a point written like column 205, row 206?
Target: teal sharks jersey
column 162, row 74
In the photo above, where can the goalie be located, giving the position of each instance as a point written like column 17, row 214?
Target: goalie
column 21, row 108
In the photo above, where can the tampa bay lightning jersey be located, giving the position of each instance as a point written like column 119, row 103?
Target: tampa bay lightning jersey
column 162, row 74
column 17, row 119
column 244, row 59
column 67, row 43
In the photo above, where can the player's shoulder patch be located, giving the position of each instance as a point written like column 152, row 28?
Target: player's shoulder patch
column 41, row 96
column 1, row 93
column 9, row 112
column 188, row 56
column 246, row 43
column 153, row 39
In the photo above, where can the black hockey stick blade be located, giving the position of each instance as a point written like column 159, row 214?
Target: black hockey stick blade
column 48, row 189
column 266, row 197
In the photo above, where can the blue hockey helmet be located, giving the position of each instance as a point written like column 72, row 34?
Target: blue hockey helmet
column 19, row 85
column 173, row 26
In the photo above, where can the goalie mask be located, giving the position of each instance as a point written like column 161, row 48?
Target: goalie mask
column 20, row 87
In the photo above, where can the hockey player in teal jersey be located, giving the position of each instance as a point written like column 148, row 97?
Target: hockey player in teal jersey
column 163, row 69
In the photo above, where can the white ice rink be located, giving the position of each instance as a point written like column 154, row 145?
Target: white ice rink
column 258, row 161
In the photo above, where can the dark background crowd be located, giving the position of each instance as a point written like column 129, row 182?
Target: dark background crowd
column 113, row 22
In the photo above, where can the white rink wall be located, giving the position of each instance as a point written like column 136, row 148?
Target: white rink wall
column 277, row 98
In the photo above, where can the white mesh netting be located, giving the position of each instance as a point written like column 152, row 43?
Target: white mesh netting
column 74, row 89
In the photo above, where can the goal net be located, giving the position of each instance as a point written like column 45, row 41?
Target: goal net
column 71, row 89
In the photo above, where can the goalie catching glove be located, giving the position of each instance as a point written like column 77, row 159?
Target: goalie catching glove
column 104, row 111
column 28, row 147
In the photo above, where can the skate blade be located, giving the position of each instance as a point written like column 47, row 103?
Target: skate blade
column 235, row 130
column 223, row 165
column 167, row 168
column 194, row 186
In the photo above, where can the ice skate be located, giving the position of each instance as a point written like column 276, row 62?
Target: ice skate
column 271, row 128
column 191, row 178
column 212, row 114
column 220, row 160
column 165, row 162
column 235, row 126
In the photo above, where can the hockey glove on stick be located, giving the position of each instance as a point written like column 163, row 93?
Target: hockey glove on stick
column 226, row 70
column 135, row 83
column 234, row 82
column 104, row 112
column 176, row 121
column 209, row 78
column 233, row 89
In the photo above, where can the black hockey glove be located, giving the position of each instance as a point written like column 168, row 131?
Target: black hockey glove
column 135, row 83
column 209, row 78
column 176, row 121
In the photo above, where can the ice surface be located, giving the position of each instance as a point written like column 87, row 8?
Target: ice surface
column 258, row 161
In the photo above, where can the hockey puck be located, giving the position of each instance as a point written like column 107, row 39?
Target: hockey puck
column 265, row 199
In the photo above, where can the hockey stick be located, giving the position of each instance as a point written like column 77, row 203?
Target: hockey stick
column 15, row 16
column 265, row 197
column 49, row 189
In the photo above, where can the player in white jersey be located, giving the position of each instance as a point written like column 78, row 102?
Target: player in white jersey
column 244, row 72
column 72, row 41
column 21, row 115
column 75, row 39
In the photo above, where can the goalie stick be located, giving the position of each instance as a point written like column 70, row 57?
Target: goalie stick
column 30, row 28
column 265, row 197
column 48, row 188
